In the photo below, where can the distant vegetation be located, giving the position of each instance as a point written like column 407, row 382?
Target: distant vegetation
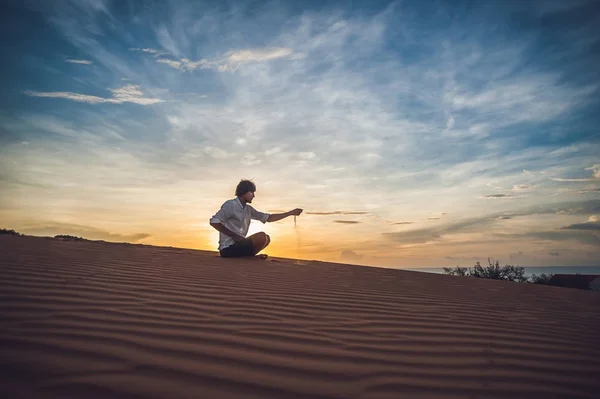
column 9, row 232
column 65, row 237
column 496, row 272
column 541, row 279
column 70, row 238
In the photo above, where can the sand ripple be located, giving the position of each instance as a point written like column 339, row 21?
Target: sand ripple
column 102, row 320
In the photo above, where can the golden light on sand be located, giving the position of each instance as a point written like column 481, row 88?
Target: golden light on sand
column 191, row 322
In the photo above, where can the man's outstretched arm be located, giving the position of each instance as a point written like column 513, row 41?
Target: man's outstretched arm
column 278, row 216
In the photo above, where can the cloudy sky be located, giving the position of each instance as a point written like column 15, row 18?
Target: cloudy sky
column 412, row 133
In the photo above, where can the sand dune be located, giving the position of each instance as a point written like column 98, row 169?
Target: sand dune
column 106, row 320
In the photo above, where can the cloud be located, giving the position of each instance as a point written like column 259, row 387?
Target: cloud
column 595, row 175
column 568, row 234
column 346, row 221
column 523, row 187
column 91, row 233
column 83, row 62
column 498, row 196
column 516, row 256
column 590, row 225
column 462, row 258
column 350, row 256
column 154, row 52
column 336, row 213
column 419, row 236
column 596, row 169
column 308, row 155
column 231, row 61
column 379, row 123
column 588, row 190
column 564, row 208
column 434, row 218
column 553, row 254
column 569, row 180
column 475, row 224
column 128, row 93
column 403, row 223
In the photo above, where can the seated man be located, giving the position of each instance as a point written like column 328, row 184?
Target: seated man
column 233, row 219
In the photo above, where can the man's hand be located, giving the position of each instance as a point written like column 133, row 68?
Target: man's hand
column 296, row 212
column 278, row 216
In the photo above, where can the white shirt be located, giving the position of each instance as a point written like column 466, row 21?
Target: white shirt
column 236, row 217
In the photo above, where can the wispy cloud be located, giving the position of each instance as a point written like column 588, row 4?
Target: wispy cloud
column 570, row 180
column 83, row 62
column 499, row 196
column 154, row 52
column 346, row 221
column 588, row 190
column 320, row 116
column 337, row 213
column 126, row 94
column 350, row 256
column 564, row 235
column 592, row 224
column 470, row 225
column 89, row 232
column 523, row 187
column 596, row 170
column 230, row 62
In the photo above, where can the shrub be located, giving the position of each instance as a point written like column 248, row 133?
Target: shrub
column 457, row 271
column 493, row 272
column 9, row 232
column 496, row 272
column 69, row 238
column 541, row 279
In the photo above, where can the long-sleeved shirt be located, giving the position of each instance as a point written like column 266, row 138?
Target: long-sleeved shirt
column 236, row 217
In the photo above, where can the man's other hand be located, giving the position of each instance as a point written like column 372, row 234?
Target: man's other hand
column 296, row 212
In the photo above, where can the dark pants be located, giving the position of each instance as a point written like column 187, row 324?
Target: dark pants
column 240, row 248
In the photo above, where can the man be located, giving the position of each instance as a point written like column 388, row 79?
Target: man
column 233, row 219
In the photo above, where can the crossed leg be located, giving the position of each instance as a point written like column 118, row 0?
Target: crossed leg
column 260, row 241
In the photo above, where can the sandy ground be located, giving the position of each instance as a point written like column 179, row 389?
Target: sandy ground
column 106, row 320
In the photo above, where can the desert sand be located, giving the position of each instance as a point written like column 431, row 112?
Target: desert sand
column 84, row 319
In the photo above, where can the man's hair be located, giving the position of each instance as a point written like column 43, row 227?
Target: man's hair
column 243, row 187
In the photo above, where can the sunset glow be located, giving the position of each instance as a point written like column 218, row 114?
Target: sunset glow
column 411, row 133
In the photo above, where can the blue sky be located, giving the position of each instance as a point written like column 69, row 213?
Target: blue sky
column 412, row 133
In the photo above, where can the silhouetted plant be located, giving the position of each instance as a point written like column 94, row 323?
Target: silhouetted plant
column 68, row 237
column 541, row 279
column 496, row 272
column 493, row 272
column 9, row 232
column 457, row 271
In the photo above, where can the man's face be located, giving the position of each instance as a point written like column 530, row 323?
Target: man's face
column 248, row 196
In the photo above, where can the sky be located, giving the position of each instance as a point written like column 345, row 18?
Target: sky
column 412, row 133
